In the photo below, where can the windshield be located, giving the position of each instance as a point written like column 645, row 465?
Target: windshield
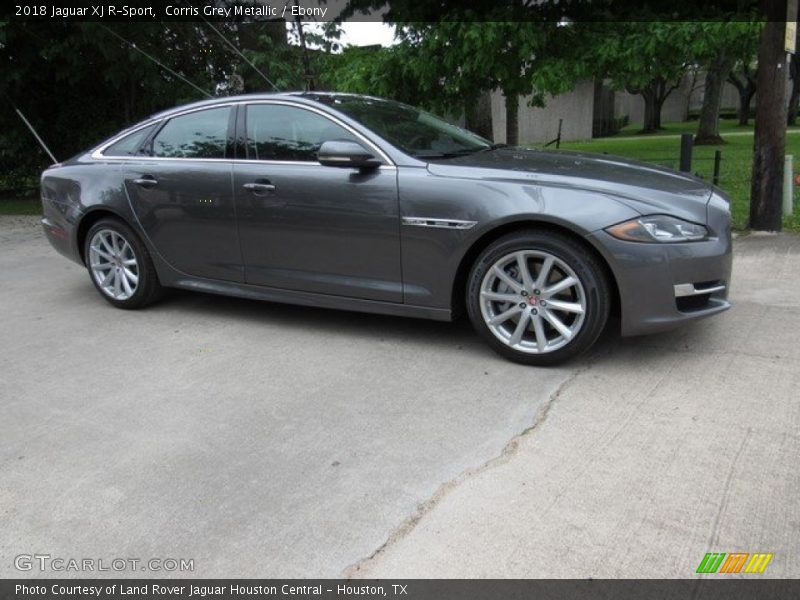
column 414, row 131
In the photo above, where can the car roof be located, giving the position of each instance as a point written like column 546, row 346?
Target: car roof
column 303, row 97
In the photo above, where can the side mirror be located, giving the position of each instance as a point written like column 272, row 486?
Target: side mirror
column 346, row 154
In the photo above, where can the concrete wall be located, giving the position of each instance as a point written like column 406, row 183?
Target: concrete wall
column 578, row 107
column 688, row 97
column 675, row 108
column 540, row 125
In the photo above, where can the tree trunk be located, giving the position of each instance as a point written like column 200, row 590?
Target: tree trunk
column 708, row 127
column 794, row 99
column 512, row 120
column 308, row 75
column 745, row 98
column 649, row 125
column 794, row 103
column 692, row 88
column 478, row 116
column 770, row 130
column 658, row 105
column 794, row 73
column 654, row 96
column 747, row 89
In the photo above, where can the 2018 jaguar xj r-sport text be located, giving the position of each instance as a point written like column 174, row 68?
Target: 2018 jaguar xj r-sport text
column 353, row 202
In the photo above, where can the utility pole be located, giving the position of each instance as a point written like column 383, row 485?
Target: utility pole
column 769, row 144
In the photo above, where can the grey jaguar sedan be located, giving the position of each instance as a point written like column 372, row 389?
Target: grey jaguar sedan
column 353, row 202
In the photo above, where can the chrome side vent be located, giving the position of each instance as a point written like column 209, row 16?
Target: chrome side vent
column 440, row 223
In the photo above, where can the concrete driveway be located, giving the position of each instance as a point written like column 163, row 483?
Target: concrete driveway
column 263, row 440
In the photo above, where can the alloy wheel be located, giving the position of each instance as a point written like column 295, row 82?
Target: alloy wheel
column 113, row 264
column 532, row 301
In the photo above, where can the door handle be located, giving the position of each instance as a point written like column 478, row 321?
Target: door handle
column 146, row 181
column 259, row 189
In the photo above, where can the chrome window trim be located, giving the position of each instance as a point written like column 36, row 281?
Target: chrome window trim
column 439, row 223
column 98, row 154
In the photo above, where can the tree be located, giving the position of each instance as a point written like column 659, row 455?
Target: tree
column 478, row 116
column 743, row 78
column 297, row 57
column 794, row 73
column 770, row 130
column 743, row 74
column 450, row 65
column 87, row 65
column 716, row 48
column 648, row 58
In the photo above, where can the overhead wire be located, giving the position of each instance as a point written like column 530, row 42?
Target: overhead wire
column 158, row 62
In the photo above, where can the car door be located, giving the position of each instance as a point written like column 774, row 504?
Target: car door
column 181, row 191
column 308, row 227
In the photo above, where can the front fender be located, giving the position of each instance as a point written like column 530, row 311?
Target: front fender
column 431, row 256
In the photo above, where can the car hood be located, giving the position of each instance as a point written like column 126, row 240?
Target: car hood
column 644, row 187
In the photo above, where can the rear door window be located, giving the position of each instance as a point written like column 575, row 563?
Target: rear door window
column 200, row 134
column 129, row 145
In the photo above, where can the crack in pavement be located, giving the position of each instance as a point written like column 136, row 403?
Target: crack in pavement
column 508, row 451
column 726, row 490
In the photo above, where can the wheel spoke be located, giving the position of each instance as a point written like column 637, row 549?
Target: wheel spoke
column 108, row 247
column 102, row 253
column 507, row 279
column 544, row 272
column 117, row 283
column 541, row 338
column 498, row 297
column 524, row 272
column 570, row 307
column 107, row 279
column 557, row 324
column 505, row 316
column 130, row 276
column 129, row 262
column 522, row 325
column 562, row 285
column 126, row 284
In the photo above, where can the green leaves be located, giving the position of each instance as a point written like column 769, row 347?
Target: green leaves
column 445, row 65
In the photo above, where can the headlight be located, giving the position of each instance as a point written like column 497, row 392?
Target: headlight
column 658, row 228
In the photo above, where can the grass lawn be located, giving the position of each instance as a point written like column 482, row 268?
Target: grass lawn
column 26, row 203
column 20, row 206
column 664, row 149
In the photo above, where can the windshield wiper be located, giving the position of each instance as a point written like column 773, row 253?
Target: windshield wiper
column 462, row 152
column 454, row 153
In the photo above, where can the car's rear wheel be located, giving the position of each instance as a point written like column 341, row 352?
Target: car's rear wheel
column 120, row 265
column 538, row 297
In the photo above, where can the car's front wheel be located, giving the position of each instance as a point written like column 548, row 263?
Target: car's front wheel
column 538, row 297
column 120, row 265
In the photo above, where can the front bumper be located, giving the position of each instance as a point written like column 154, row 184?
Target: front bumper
column 662, row 286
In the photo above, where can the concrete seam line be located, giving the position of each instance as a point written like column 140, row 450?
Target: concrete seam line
column 508, row 451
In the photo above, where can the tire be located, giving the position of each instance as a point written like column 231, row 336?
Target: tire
column 113, row 250
column 559, row 323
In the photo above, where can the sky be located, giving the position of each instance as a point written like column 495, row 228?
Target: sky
column 363, row 34
column 367, row 34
